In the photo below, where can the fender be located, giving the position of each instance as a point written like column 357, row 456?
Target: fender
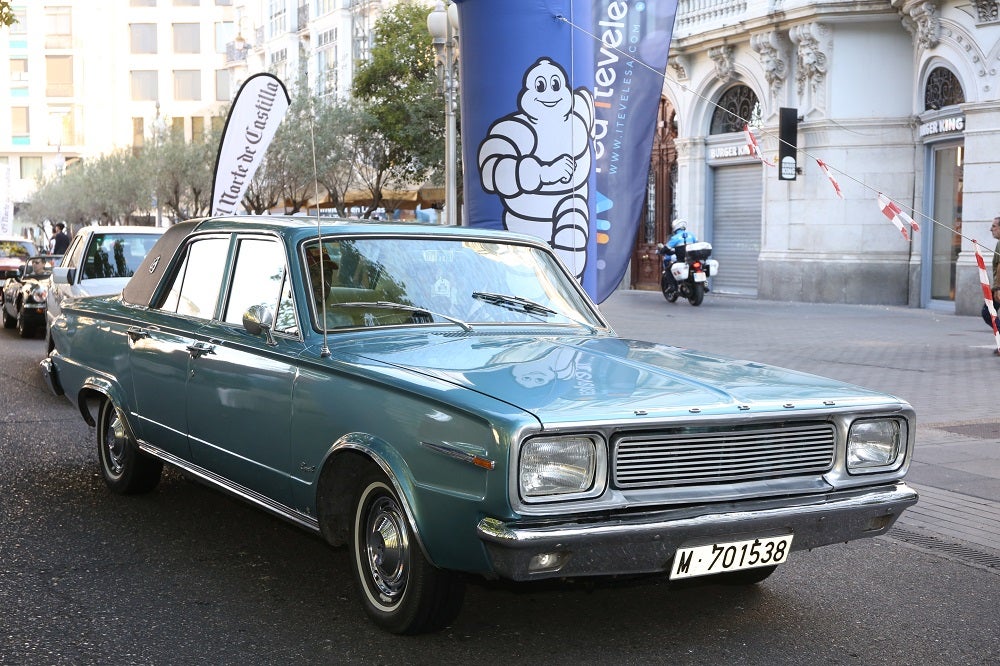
column 105, row 387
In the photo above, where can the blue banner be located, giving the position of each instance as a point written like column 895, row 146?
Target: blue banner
column 559, row 101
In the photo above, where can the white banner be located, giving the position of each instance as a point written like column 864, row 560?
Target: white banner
column 254, row 117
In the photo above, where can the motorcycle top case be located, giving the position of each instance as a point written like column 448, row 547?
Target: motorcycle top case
column 698, row 251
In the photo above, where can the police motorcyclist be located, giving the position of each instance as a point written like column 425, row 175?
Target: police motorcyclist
column 674, row 249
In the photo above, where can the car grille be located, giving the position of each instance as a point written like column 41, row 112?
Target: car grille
column 711, row 456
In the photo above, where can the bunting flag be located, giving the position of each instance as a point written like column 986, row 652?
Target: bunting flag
column 254, row 116
column 987, row 294
column 754, row 146
column 833, row 181
column 896, row 215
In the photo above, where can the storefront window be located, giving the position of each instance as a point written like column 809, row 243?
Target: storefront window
column 946, row 244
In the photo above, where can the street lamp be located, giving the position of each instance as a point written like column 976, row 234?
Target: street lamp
column 442, row 23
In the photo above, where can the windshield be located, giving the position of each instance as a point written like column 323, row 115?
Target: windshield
column 381, row 281
column 16, row 249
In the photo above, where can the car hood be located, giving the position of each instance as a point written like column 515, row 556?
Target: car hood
column 587, row 378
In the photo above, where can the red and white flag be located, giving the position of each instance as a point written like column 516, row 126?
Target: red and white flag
column 754, row 146
column 987, row 294
column 896, row 215
column 833, row 181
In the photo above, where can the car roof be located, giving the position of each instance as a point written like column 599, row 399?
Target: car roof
column 295, row 228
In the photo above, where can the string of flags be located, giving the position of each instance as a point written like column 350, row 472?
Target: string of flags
column 833, row 181
column 754, row 146
column 987, row 294
column 896, row 215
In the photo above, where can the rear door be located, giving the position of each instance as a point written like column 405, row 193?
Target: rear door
column 171, row 338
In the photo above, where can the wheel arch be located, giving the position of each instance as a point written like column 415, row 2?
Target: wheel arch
column 340, row 479
column 92, row 392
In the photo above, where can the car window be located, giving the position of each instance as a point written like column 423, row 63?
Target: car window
column 74, row 253
column 261, row 278
column 116, row 255
column 16, row 249
column 195, row 288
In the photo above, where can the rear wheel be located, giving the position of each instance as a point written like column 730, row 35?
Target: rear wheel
column 125, row 468
column 400, row 590
column 697, row 294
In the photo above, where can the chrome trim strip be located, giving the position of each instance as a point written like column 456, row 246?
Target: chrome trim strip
column 242, row 492
column 458, row 454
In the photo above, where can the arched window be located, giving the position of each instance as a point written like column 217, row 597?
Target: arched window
column 943, row 89
column 737, row 107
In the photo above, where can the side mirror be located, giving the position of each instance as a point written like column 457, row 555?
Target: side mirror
column 63, row 275
column 257, row 320
column 659, row 246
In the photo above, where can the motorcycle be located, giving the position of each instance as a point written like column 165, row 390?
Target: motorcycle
column 691, row 271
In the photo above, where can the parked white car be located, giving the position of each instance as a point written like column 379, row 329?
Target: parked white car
column 99, row 262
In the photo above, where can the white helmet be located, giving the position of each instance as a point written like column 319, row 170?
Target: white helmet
column 679, row 223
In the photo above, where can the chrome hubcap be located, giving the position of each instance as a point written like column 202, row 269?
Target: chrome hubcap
column 387, row 548
column 114, row 444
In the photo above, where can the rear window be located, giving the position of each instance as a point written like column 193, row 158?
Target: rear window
column 16, row 249
column 116, row 255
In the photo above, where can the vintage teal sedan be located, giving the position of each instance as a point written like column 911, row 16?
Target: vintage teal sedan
column 448, row 402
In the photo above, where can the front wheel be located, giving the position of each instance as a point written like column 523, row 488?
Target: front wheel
column 125, row 468
column 23, row 329
column 669, row 290
column 697, row 293
column 8, row 321
column 400, row 590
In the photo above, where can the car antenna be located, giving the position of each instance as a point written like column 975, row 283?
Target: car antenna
column 325, row 349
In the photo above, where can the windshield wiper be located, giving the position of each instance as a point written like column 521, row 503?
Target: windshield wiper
column 526, row 306
column 390, row 305
column 513, row 303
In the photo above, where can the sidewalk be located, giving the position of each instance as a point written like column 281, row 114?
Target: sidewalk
column 940, row 363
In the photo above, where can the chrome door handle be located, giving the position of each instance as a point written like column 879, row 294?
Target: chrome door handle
column 199, row 349
column 136, row 333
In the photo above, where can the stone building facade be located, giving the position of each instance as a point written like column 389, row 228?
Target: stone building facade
column 898, row 97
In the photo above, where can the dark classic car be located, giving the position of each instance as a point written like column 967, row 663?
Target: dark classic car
column 448, row 401
column 24, row 292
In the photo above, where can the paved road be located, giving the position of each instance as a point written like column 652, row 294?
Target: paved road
column 941, row 363
column 186, row 575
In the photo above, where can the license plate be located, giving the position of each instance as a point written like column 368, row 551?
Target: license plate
column 699, row 277
column 730, row 556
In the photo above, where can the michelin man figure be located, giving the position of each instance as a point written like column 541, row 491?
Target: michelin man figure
column 538, row 160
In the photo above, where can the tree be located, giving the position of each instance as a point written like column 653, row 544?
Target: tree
column 397, row 88
column 7, row 16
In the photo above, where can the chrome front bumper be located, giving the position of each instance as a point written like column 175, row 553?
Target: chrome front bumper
column 644, row 543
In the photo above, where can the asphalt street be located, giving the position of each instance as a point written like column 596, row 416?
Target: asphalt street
column 941, row 363
column 188, row 575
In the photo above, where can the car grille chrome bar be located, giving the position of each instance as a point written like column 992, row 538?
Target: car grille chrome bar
column 704, row 457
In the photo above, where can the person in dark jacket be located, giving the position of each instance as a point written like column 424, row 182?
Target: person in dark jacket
column 59, row 242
